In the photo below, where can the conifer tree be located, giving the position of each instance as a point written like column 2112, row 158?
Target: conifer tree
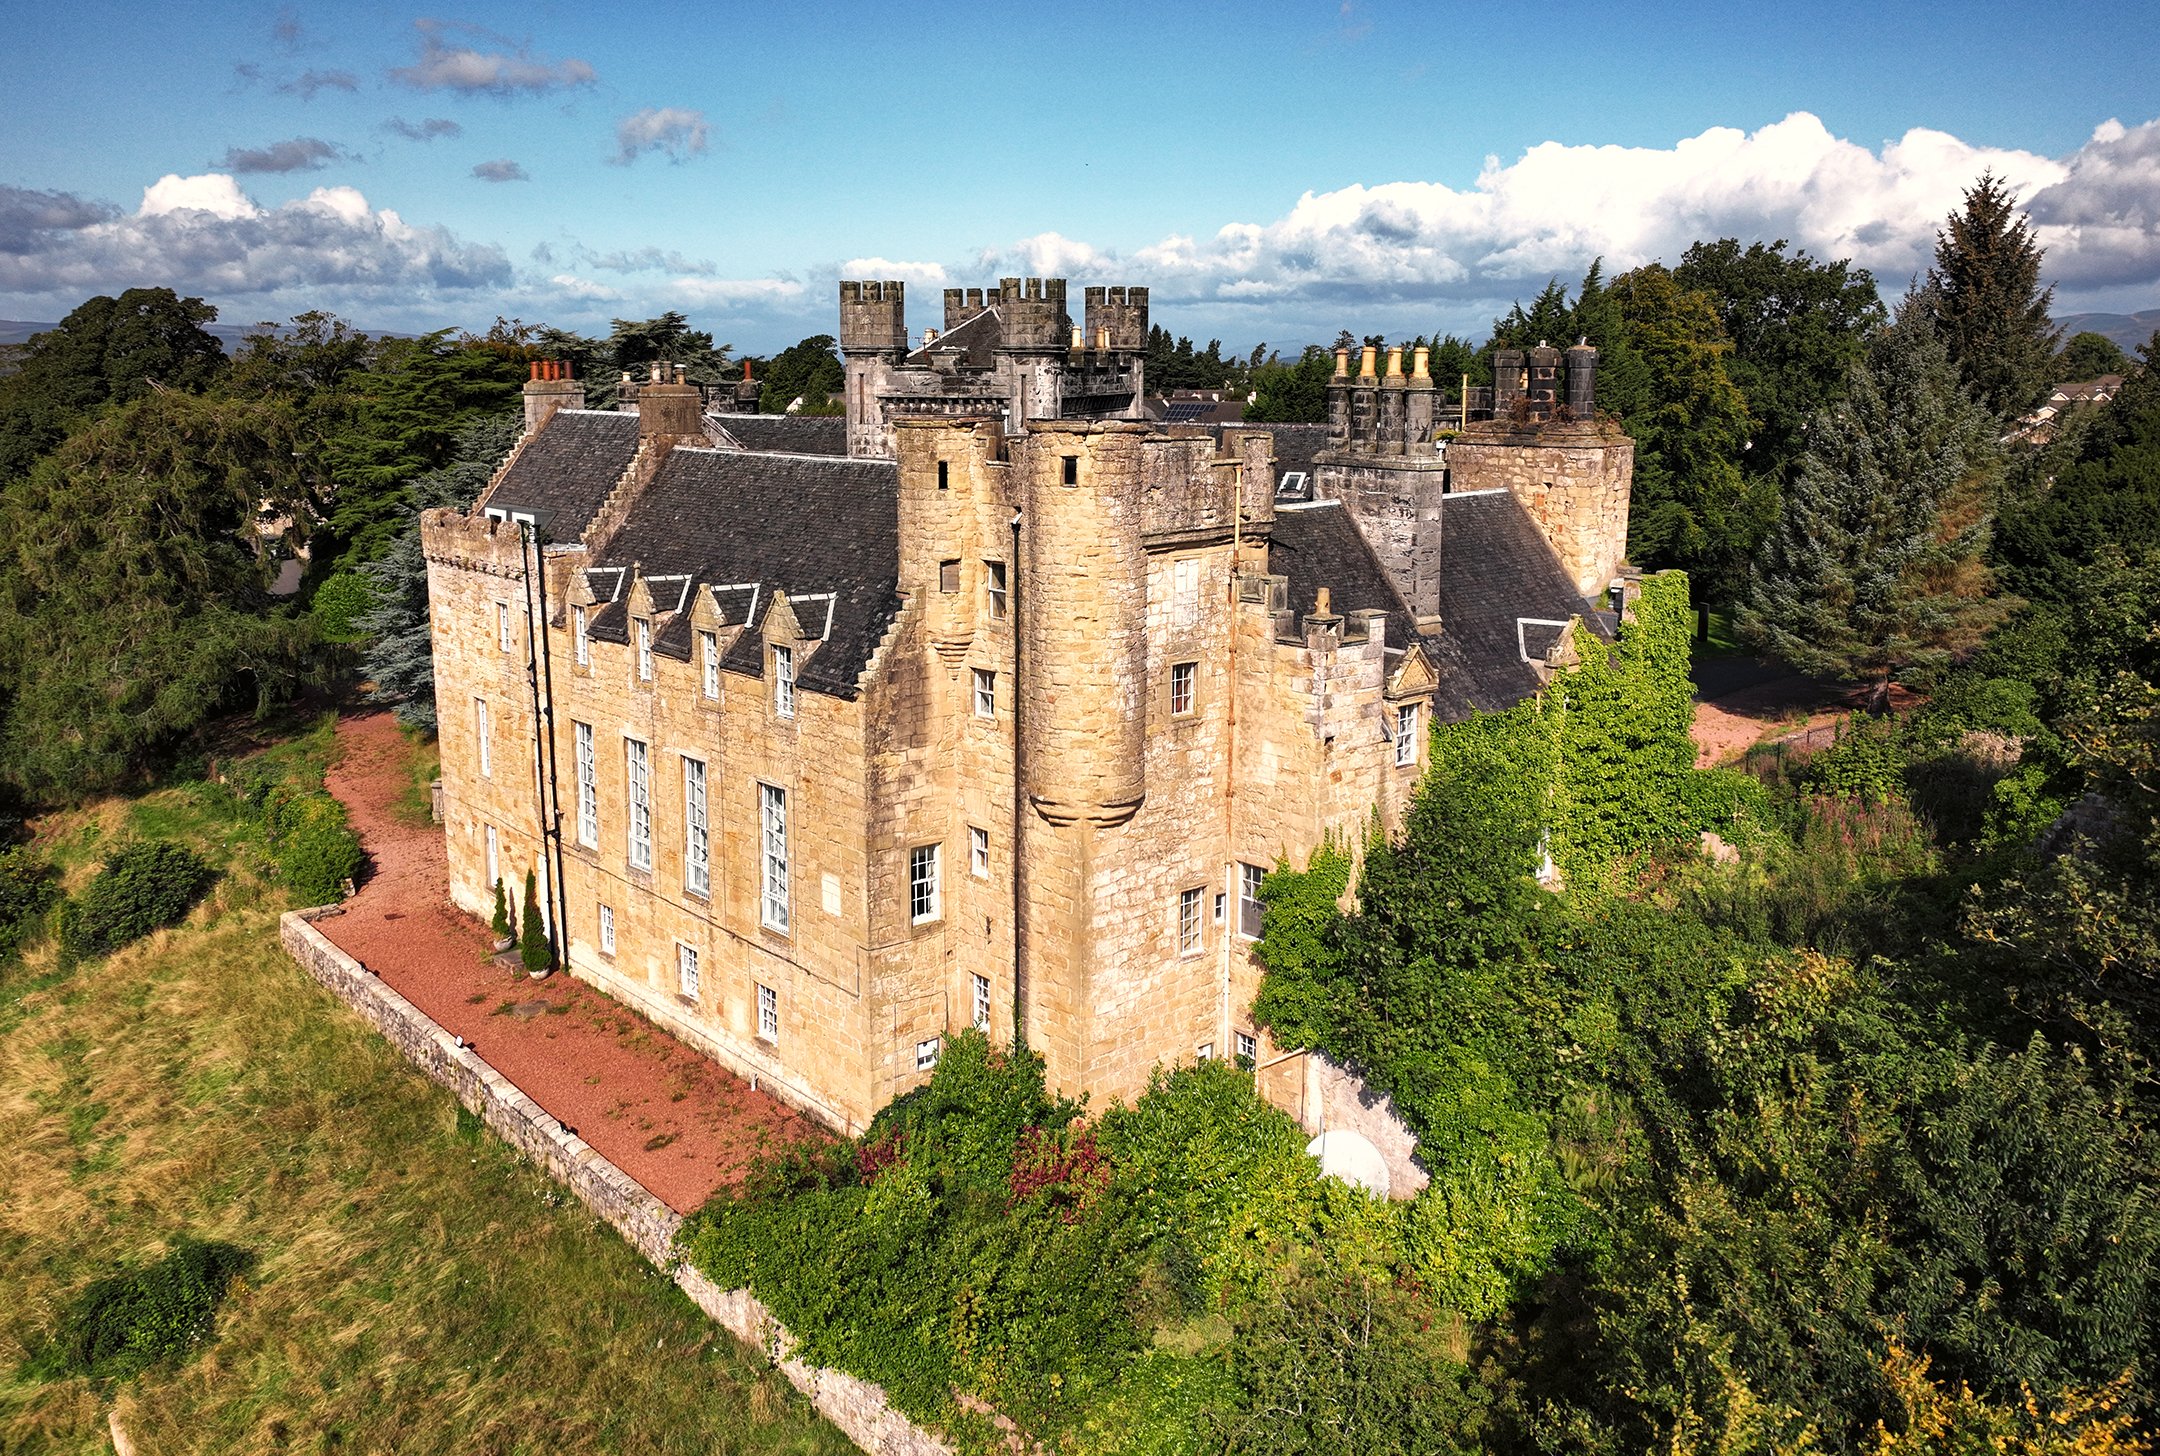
column 1873, row 571
column 533, row 947
column 1984, row 292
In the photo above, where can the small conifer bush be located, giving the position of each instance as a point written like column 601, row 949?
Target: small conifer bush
column 142, row 888
column 500, row 924
column 533, row 947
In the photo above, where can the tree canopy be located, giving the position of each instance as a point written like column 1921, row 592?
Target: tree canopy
column 1984, row 291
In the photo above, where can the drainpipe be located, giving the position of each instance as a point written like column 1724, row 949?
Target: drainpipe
column 559, row 889
column 1019, row 871
column 544, row 785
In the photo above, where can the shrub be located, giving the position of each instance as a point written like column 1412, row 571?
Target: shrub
column 500, row 923
column 130, row 1321
column 340, row 602
column 316, row 850
column 1866, row 762
column 142, row 888
column 28, row 888
column 533, row 947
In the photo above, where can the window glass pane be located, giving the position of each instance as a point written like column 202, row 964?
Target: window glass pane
column 686, row 970
column 772, row 810
column 607, row 930
column 1181, row 686
column 640, row 779
column 697, row 864
column 1188, row 921
column 783, row 661
column 994, row 577
column 982, row 1003
column 923, row 882
column 1249, row 877
column 709, row 655
column 926, row 1054
column 644, row 650
column 768, row 1013
column 588, row 789
column 578, row 637
column 985, row 693
column 979, row 853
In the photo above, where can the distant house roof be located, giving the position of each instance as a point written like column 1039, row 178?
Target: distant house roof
column 752, row 524
column 786, row 434
column 568, row 469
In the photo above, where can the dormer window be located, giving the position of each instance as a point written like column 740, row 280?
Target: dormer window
column 783, row 681
column 709, row 660
column 580, row 640
column 644, row 649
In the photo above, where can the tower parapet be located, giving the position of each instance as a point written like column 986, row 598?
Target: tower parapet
column 1031, row 315
column 873, row 317
column 1117, row 319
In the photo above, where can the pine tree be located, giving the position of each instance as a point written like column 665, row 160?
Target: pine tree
column 1874, row 569
column 1984, row 292
column 400, row 660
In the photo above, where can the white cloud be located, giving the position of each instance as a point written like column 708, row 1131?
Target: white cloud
column 1556, row 207
column 925, row 274
column 649, row 260
column 204, row 235
column 584, row 290
column 678, row 131
column 733, row 291
column 468, row 69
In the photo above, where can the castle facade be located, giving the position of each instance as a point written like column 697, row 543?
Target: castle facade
column 991, row 708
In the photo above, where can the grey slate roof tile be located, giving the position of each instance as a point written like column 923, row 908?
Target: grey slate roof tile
column 787, row 434
column 568, row 469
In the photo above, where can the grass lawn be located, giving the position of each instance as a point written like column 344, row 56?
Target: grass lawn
column 417, row 1289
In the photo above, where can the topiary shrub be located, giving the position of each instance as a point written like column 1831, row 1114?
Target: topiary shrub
column 142, row 888
column 533, row 947
column 500, row 924
column 130, row 1321
column 28, row 888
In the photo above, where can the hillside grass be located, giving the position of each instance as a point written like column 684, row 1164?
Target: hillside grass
column 418, row 1288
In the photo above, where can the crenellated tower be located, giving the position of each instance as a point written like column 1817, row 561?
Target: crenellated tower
column 873, row 339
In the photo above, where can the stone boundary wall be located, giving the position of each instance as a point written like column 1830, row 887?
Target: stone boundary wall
column 858, row 1408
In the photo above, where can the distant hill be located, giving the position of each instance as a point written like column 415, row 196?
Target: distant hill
column 18, row 331
column 2129, row 330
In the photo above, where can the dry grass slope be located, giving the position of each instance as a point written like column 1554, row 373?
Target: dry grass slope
column 417, row 1289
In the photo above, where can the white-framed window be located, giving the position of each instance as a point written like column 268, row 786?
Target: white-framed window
column 504, row 637
column 922, row 883
column 982, row 1003
column 485, row 729
column 1248, row 1049
column 772, row 822
column 985, row 693
column 644, row 649
column 1205, row 1052
column 926, row 1053
column 994, row 586
column 709, row 661
column 686, row 970
column 580, row 638
column 697, row 847
column 1182, row 677
column 783, row 681
column 1191, row 936
column 494, row 858
column 768, row 1013
column 637, row 760
column 978, row 852
column 1219, row 898
column 1248, row 900
column 588, row 787
column 1406, row 718
column 607, row 930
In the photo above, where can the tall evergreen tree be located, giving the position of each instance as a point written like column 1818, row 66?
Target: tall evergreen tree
column 1874, row 570
column 1984, row 292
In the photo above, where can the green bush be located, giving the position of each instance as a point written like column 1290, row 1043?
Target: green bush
column 1866, row 762
column 130, row 1321
column 143, row 888
column 316, row 851
column 28, row 888
column 340, row 602
column 500, row 923
column 533, row 947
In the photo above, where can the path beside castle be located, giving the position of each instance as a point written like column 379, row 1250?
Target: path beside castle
column 672, row 1119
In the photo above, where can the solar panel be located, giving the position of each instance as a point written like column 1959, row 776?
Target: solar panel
column 1184, row 411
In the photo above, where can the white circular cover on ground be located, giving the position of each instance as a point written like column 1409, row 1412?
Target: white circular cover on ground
column 1351, row 1157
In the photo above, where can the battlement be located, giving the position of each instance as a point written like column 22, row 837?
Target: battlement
column 1117, row 319
column 962, row 304
column 1031, row 314
column 873, row 315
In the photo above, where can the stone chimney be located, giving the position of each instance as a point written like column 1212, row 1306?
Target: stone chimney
column 747, row 392
column 669, row 406
column 550, row 388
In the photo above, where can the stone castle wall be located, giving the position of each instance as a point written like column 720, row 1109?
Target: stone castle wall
column 1573, row 479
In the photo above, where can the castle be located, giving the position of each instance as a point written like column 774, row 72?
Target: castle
column 991, row 704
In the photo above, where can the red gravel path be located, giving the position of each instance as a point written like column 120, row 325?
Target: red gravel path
column 668, row 1117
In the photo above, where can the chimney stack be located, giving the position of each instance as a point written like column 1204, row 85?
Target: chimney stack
column 669, row 407
column 550, row 388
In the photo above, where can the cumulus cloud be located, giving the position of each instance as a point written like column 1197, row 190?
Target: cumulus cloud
column 584, row 290
column 677, row 131
column 505, row 73
column 424, row 130
column 1556, row 207
column 927, row 274
column 501, row 170
column 205, row 235
column 301, row 154
column 307, row 83
column 649, row 260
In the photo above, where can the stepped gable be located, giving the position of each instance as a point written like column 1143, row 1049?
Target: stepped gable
column 787, row 434
column 798, row 524
column 1500, row 569
column 568, row 468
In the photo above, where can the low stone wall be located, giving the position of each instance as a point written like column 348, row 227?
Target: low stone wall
column 858, row 1408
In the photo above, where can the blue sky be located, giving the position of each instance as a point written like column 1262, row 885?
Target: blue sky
column 1275, row 172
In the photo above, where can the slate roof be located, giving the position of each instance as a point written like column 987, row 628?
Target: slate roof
column 786, row 434
column 568, row 469
column 801, row 524
column 1295, row 447
column 1318, row 545
column 1497, row 568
